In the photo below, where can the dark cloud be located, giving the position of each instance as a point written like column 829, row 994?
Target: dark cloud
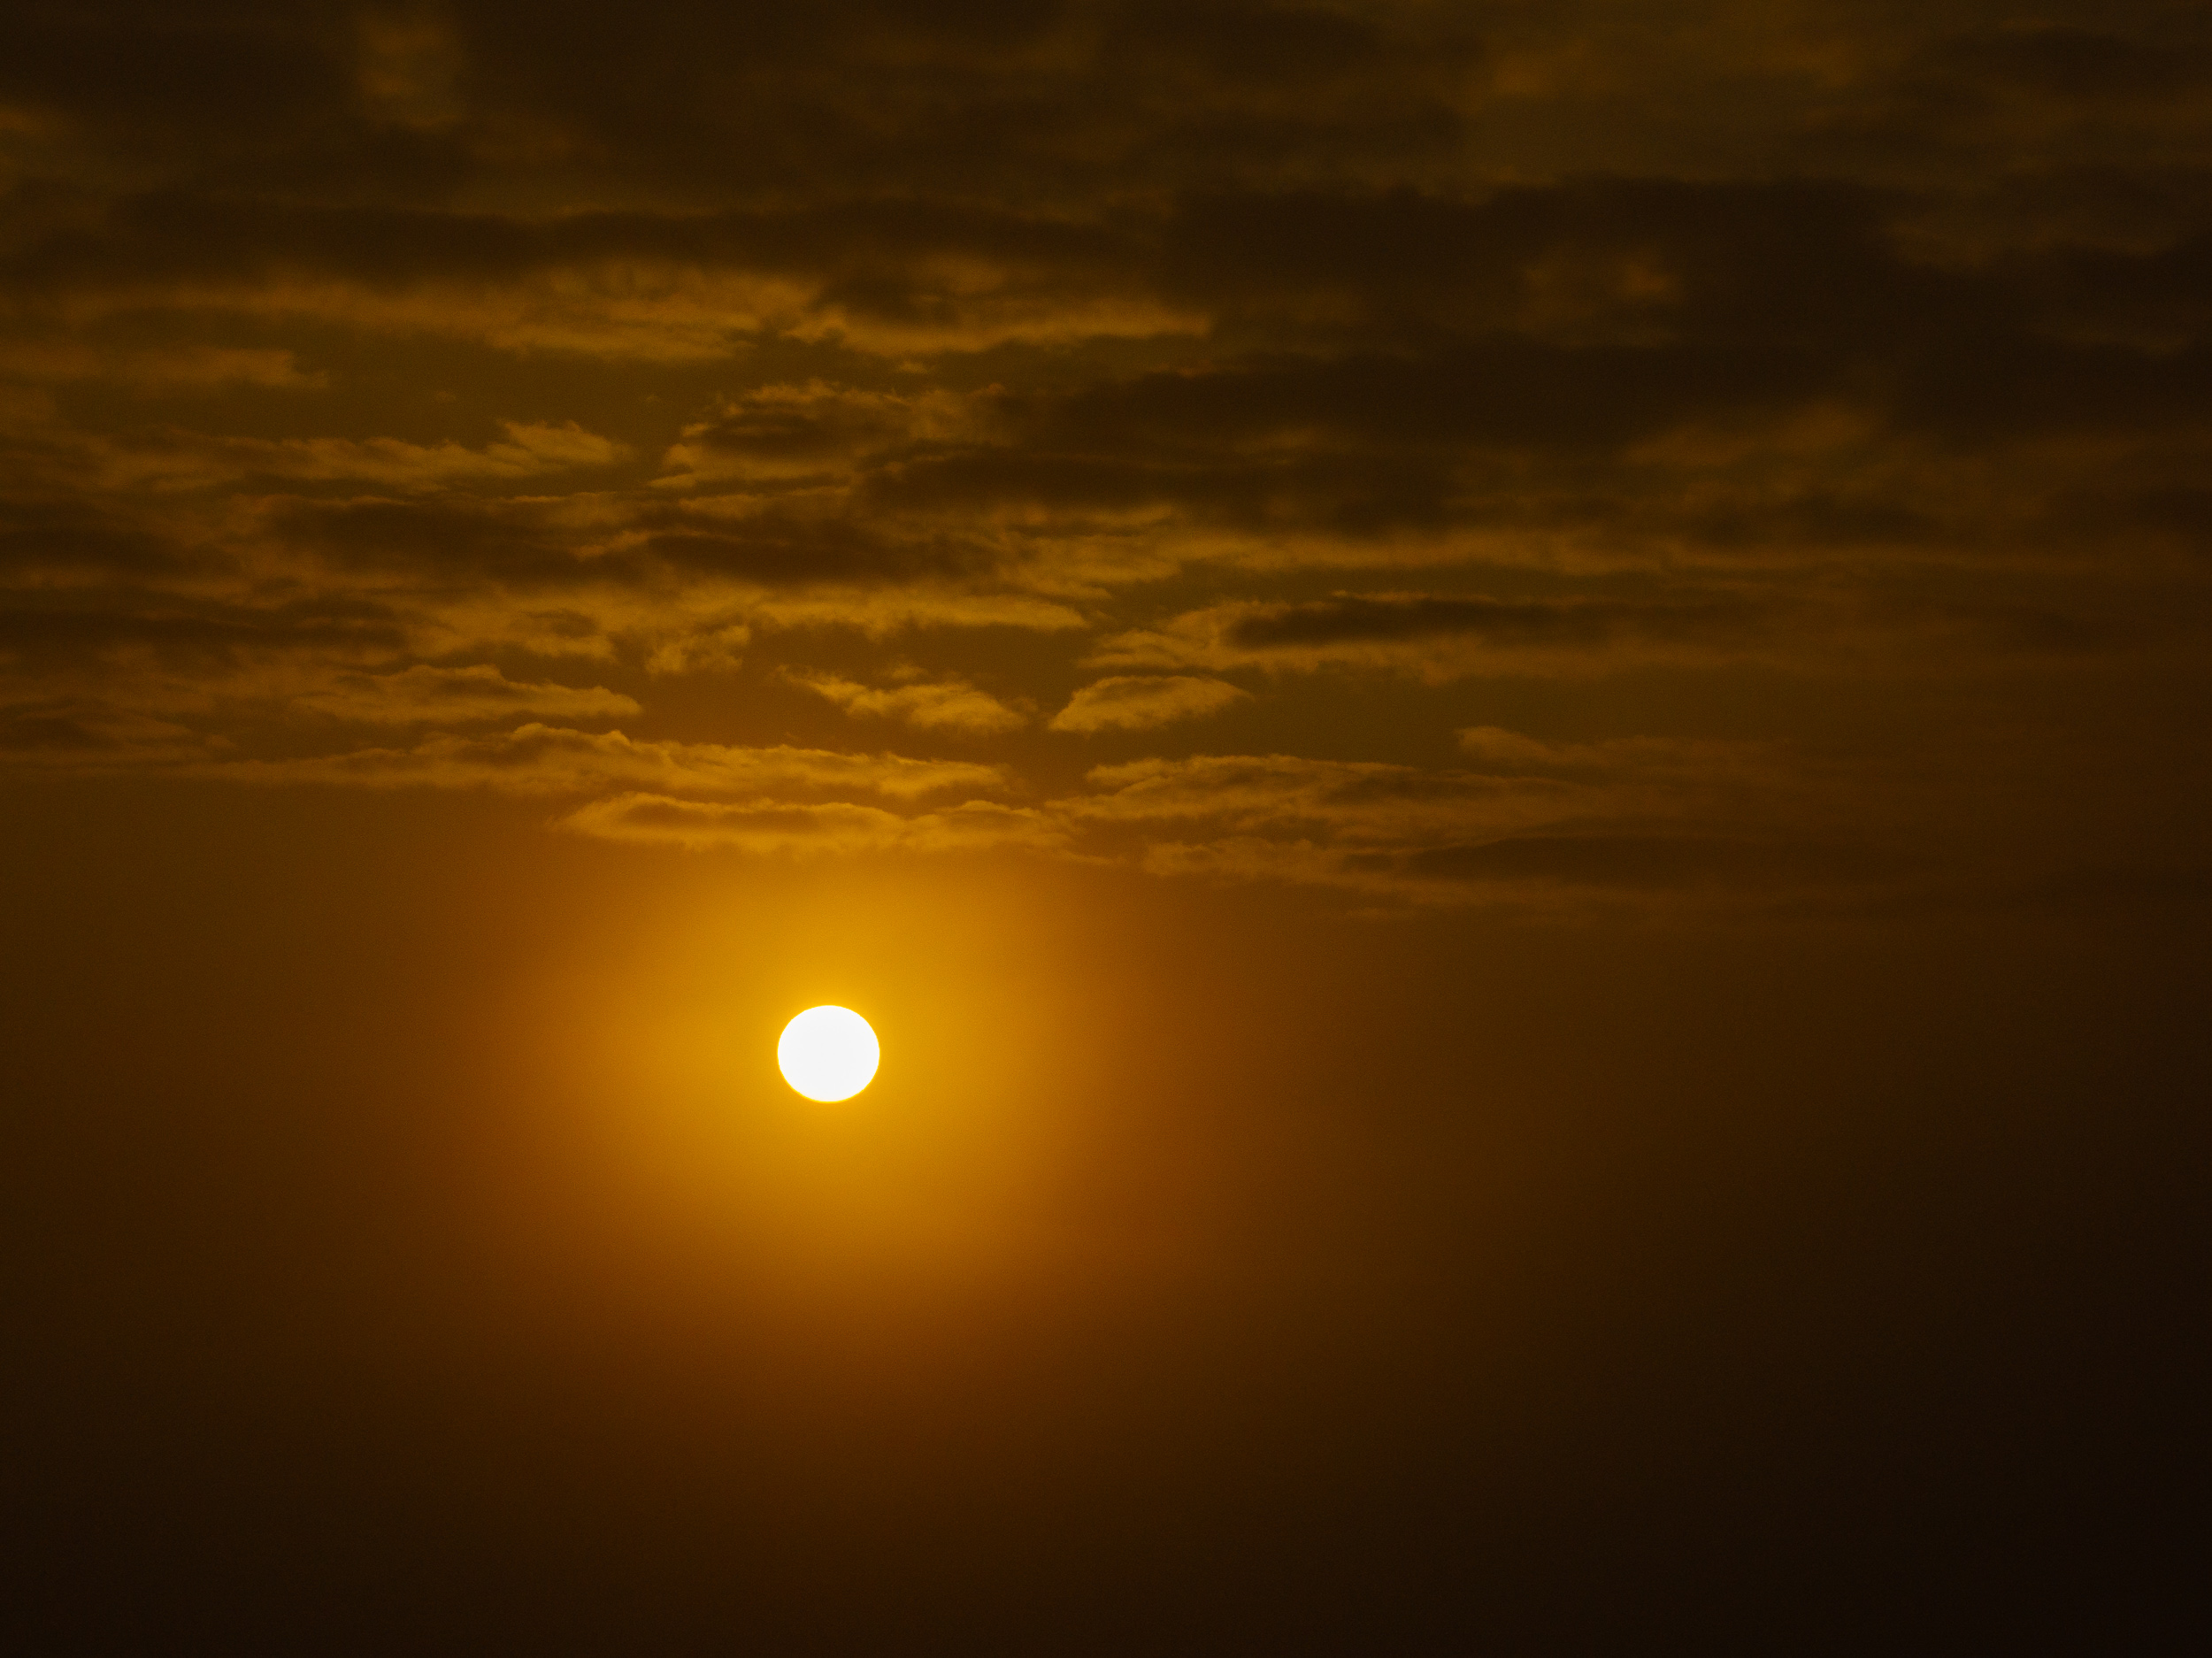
column 80, row 538
column 2070, row 65
column 1803, row 264
column 1352, row 619
column 157, row 237
column 78, row 733
column 63, row 622
column 459, row 540
column 1634, row 861
column 231, row 74
column 777, row 551
column 1509, row 393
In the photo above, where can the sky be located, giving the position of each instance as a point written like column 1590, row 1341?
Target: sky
column 1501, row 708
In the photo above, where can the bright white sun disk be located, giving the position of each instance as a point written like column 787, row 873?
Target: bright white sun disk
column 828, row 1052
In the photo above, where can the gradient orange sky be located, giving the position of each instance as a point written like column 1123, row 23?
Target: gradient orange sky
column 1501, row 707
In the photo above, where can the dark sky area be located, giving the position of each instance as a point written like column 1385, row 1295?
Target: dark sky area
column 1502, row 707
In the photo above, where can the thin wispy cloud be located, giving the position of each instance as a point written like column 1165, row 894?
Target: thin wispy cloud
column 1133, row 702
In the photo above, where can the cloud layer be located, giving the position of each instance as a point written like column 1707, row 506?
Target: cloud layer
column 1669, row 412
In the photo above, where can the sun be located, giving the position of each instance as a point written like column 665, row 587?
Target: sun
column 828, row 1052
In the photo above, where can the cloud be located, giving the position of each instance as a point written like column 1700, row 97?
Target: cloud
column 776, row 547
column 784, row 432
column 87, row 735
column 1754, row 377
column 411, row 65
column 1540, row 822
column 1439, row 637
column 537, row 759
column 1293, row 794
column 1501, row 752
column 943, row 704
column 175, row 460
column 107, row 625
column 839, row 828
column 880, row 612
column 1559, row 873
column 157, row 368
column 639, row 284
column 423, row 695
column 1133, row 702
column 701, row 650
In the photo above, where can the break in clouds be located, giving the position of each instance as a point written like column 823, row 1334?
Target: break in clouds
column 1503, row 454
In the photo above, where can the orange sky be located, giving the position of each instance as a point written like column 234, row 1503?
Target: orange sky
column 1501, row 707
